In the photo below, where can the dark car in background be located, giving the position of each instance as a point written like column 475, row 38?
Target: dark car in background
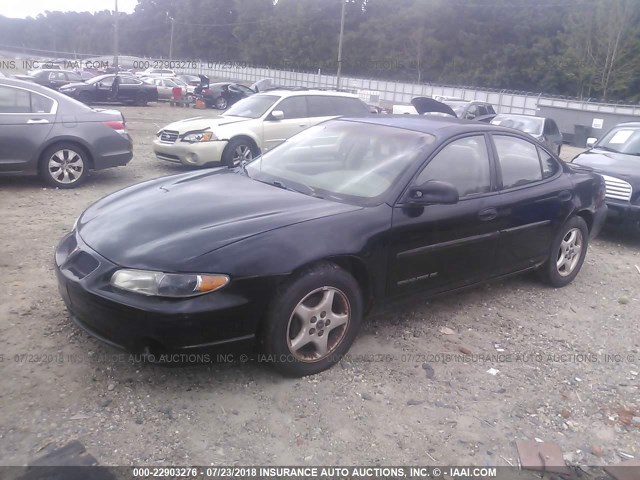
column 616, row 156
column 545, row 130
column 46, row 133
column 341, row 217
column 224, row 94
column 105, row 88
column 52, row 78
column 191, row 80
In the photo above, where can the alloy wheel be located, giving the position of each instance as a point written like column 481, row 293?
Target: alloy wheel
column 318, row 324
column 242, row 153
column 569, row 252
column 66, row 166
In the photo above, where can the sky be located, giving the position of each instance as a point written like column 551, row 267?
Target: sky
column 31, row 8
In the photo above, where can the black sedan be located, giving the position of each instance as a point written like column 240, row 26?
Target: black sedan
column 112, row 89
column 54, row 79
column 291, row 250
column 222, row 95
column 616, row 156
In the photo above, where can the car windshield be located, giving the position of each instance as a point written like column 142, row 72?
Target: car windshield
column 97, row 79
column 622, row 139
column 252, row 107
column 531, row 125
column 352, row 162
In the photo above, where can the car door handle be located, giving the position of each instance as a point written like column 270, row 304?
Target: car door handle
column 565, row 195
column 302, row 124
column 488, row 214
column 36, row 121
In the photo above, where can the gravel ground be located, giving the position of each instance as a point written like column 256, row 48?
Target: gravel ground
column 414, row 389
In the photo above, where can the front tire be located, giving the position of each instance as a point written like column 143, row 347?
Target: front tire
column 567, row 255
column 84, row 97
column 313, row 320
column 237, row 151
column 64, row 165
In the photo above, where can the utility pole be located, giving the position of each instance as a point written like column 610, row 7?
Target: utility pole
column 115, row 41
column 344, row 4
column 171, row 41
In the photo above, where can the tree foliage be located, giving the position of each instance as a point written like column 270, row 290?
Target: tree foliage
column 584, row 48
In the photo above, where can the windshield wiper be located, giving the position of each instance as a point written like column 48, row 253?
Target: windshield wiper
column 310, row 190
column 608, row 149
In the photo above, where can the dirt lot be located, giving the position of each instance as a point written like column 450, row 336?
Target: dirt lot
column 568, row 364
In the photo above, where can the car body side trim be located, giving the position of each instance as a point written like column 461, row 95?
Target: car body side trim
column 524, row 227
column 450, row 243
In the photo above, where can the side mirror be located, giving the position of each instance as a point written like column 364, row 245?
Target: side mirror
column 433, row 192
column 277, row 115
column 591, row 141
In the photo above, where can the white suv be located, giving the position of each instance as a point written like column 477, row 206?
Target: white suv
column 253, row 125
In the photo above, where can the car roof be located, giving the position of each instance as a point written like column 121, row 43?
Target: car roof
column 520, row 115
column 310, row 91
column 628, row 124
column 61, row 98
column 433, row 124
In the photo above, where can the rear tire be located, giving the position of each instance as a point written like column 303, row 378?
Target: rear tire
column 313, row 320
column 567, row 254
column 64, row 165
column 221, row 103
column 141, row 100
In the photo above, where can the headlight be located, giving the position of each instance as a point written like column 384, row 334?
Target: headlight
column 161, row 284
column 199, row 137
column 69, row 90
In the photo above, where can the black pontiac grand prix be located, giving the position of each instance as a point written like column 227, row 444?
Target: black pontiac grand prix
column 290, row 251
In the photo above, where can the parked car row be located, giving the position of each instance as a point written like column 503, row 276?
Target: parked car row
column 385, row 205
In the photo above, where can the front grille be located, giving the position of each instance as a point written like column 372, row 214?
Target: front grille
column 617, row 189
column 169, row 136
column 81, row 264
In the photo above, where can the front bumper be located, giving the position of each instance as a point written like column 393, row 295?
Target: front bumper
column 190, row 154
column 623, row 212
column 599, row 219
column 225, row 319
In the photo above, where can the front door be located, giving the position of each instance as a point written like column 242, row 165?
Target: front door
column 442, row 247
column 276, row 131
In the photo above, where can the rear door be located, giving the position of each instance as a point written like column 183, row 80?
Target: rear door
column 26, row 119
column 534, row 200
column 443, row 247
column 295, row 120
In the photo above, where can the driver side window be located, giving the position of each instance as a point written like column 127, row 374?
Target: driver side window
column 463, row 163
column 293, row 107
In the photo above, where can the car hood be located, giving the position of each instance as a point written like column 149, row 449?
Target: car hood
column 620, row 165
column 163, row 224
column 202, row 123
column 429, row 105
